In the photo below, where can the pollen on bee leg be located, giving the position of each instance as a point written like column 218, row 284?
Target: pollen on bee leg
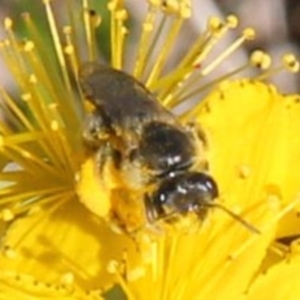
column 91, row 190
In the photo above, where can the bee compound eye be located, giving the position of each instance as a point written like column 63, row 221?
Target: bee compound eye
column 183, row 193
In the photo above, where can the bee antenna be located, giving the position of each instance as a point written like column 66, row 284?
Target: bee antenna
column 236, row 217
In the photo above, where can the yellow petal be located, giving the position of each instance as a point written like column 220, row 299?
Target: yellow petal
column 51, row 243
column 280, row 282
column 255, row 142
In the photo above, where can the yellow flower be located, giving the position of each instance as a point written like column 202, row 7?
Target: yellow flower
column 58, row 237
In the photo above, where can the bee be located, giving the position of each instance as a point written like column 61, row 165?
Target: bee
column 152, row 150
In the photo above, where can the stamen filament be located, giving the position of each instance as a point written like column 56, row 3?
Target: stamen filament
column 58, row 45
column 247, row 34
column 162, row 57
column 118, row 32
column 88, row 30
column 144, row 47
column 71, row 51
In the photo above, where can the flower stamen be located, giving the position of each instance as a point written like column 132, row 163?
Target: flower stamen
column 118, row 31
column 173, row 31
column 288, row 63
column 57, row 44
column 185, row 93
column 117, row 268
column 145, row 47
column 91, row 21
column 273, row 204
column 71, row 51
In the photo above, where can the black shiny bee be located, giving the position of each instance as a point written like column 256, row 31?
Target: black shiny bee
column 151, row 148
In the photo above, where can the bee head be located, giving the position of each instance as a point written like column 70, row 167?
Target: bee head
column 180, row 194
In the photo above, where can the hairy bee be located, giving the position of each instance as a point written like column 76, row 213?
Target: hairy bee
column 151, row 149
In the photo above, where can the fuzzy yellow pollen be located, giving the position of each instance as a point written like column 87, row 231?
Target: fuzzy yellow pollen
column 89, row 184
column 260, row 59
column 8, row 23
column 88, row 106
column 29, row 46
column 291, row 63
column 7, row 214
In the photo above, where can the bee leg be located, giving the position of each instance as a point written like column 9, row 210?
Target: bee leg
column 96, row 129
column 201, row 144
column 106, row 154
